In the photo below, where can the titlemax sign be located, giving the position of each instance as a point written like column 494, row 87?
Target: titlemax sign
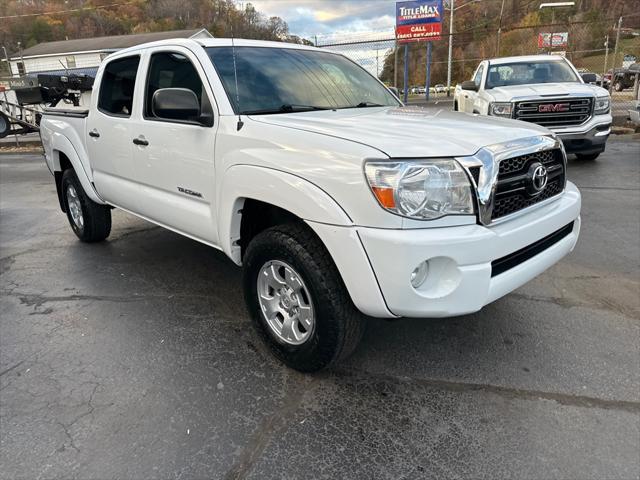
column 418, row 20
column 420, row 12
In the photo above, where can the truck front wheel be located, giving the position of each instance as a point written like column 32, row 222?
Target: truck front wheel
column 297, row 299
column 90, row 221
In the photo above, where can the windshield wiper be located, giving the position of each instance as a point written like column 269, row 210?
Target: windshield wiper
column 286, row 108
column 369, row 104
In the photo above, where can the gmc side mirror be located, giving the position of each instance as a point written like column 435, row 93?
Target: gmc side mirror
column 178, row 104
column 469, row 85
column 589, row 77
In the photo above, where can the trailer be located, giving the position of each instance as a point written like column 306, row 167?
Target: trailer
column 35, row 93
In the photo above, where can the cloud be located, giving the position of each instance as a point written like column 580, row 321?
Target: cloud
column 308, row 18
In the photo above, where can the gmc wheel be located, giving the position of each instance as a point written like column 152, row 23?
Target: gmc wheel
column 297, row 299
column 587, row 156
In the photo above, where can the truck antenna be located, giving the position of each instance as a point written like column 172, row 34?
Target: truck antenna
column 235, row 77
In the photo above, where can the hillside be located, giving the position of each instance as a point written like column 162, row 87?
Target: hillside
column 94, row 18
column 476, row 36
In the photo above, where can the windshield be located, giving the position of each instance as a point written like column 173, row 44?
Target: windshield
column 284, row 80
column 526, row 73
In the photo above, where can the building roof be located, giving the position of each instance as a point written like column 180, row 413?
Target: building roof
column 104, row 44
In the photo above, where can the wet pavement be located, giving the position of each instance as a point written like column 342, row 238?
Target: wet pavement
column 135, row 358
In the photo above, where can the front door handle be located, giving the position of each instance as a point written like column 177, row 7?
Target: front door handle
column 94, row 133
column 140, row 141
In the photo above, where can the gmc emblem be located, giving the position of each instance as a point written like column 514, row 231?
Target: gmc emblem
column 554, row 107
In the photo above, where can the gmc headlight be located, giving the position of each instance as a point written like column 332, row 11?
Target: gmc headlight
column 602, row 105
column 500, row 109
column 421, row 189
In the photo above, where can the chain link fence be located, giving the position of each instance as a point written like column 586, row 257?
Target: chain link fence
column 603, row 47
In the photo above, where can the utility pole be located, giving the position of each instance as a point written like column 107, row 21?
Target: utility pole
column 499, row 30
column 395, row 65
column 450, row 50
column 615, row 55
column 6, row 56
column 606, row 58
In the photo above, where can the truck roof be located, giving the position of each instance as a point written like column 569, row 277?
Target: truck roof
column 526, row 58
column 221, row 42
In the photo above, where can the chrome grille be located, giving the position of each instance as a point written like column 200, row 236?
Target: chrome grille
column 512, row 192
column 516, row 164
column 557, row 112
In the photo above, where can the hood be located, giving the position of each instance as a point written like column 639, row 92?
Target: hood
column 514, row 92
column 409, row 131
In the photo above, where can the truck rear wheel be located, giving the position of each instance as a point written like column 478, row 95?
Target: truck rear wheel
column 90, row 221
column 297, row 299
column 5, row 125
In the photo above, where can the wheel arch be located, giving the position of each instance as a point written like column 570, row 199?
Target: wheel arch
column 246, row 191
column 63, row 156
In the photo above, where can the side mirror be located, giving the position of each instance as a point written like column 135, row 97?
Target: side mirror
column 176, row 104
column 469, row 85
column 589, row 78
column 395, row 91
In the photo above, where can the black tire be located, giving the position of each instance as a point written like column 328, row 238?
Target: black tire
column 5, row 125
column 617, row 86
column 96, row 218
column 587, row 156
column 455, row 106
column 339, row 326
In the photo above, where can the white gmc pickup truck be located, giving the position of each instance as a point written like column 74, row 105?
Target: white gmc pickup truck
column 542, row 89
column 304, row 169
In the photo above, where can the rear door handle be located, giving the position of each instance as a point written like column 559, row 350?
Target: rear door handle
column 94, row 133
column 140, row 141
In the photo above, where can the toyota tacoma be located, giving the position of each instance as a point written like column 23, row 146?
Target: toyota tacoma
column 337, row 201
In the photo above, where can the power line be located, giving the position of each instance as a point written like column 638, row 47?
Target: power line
column 62, row 12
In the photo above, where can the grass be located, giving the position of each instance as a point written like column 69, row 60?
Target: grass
column 595, row 63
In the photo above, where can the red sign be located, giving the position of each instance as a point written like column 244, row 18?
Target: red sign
column 556, row 39
column 418, row 20
column 418, row 33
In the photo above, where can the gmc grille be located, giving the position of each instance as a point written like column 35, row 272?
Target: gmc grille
column 513, row 192
column 559, row 112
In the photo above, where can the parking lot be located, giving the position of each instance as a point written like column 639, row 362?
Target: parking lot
column 135, row 358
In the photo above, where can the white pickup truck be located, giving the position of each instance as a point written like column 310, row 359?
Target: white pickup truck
column 304, row 169
column 542, row 89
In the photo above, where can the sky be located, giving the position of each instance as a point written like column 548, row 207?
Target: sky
column 331, row 19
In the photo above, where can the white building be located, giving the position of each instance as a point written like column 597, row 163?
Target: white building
column 85, row 54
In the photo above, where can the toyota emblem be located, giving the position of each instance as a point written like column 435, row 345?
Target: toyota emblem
column 539, row 178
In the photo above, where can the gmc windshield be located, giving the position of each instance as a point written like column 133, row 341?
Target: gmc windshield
column 527, row 73
column 286, row 80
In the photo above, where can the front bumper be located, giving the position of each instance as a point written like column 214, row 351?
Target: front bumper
column 460, row 272
column 589, row 138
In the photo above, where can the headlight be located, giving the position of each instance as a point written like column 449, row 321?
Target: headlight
column 424, row 190
column 602, row 105
column 500, row 109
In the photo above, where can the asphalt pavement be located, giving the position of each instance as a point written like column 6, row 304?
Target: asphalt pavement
column 135, row 358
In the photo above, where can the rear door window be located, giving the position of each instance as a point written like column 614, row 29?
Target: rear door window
column 117, row 86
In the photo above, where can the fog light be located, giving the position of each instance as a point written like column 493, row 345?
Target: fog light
column 419, row 275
